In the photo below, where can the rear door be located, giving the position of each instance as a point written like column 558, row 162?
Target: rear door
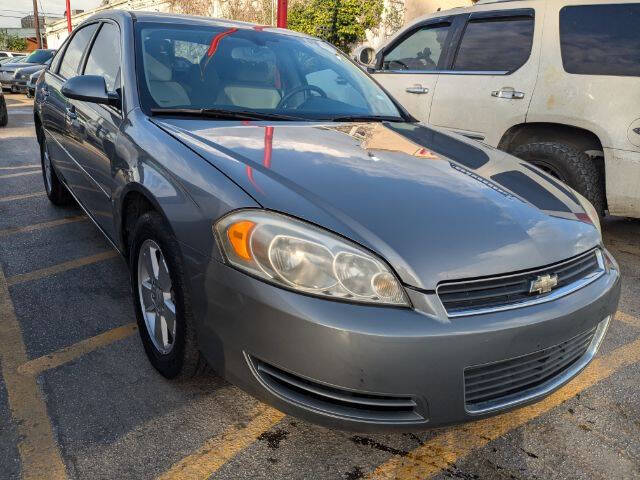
column 490, row 82
column 408, row 67
column 57, row 111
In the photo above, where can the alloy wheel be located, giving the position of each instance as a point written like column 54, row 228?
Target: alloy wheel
column 157, row 298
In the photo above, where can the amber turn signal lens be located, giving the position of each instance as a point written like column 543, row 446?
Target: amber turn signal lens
column 239, row 234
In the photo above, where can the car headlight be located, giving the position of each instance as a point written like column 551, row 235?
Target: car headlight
column 590, row 211
column 300, row 256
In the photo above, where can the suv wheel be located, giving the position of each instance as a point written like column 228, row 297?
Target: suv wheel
column 568, row 164
column 54, row 188
column 163, row 310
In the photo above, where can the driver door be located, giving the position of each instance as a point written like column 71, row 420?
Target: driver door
column 408, row 68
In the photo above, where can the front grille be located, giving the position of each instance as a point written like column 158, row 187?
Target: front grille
column 336, row 401
column 504, row 382
column 512, row 291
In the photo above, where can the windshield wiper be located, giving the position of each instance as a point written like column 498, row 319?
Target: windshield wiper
column 221, row 113
column 367, row 118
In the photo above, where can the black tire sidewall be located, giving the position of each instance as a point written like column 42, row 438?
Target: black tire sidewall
column 151, row 226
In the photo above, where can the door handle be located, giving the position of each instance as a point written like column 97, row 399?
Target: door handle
column 71, row 114
column 417, row 89
column 508, row 93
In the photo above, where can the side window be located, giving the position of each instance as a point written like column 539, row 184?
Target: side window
column 601, row 39
column 419, row 51
column 73, row 54
column 104, row 57
column 495, row 45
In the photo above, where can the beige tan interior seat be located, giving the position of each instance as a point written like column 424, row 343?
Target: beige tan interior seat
column 164, row 91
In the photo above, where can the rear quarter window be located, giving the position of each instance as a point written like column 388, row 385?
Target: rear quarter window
column 601, row 39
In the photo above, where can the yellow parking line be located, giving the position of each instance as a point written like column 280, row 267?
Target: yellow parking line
column 61, row 267
column 18, row 167
column 454, row 443
column 60, row 357
column 628, row 319
column 219, row 450
column 39, row 453
column 12, row 198
column 11, row 175
column 40, row 226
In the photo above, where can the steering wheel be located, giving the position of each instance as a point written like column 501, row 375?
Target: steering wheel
column 301, row 88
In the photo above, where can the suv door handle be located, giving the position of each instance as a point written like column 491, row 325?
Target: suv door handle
column 417, row 89
column 507, row 93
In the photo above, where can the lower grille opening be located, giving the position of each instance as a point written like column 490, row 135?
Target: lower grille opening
column 336, row 401
column 501, row 382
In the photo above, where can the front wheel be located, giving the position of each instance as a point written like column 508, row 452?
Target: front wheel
column 163, row 310
column 568, row 164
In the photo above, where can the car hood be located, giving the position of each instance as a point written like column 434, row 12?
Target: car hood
column 29, row 69
column 14, row 66
column 435, row 206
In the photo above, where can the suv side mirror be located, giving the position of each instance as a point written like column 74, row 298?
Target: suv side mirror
column 364, row 56
column 90, row 88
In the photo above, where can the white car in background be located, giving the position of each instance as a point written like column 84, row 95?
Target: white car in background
column 554, row 82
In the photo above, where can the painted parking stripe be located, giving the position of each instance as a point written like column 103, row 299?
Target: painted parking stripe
column 219, row 450
column 65, row 355
column 21, row 174
column 61, row 267
column 628, row 319
column 13, row 198
column 442, row 450
column 39, row 453
column 19, row 167
column 41, row 226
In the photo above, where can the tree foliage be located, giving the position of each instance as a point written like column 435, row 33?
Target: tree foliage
column 341, row 22
column 12, row 43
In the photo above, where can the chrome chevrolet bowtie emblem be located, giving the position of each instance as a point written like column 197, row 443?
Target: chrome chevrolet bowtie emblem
column 543, row 284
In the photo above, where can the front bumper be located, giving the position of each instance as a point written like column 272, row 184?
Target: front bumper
column 346, row 366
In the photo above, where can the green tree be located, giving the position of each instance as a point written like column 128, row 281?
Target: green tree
column 12, row 42
column 340, row 22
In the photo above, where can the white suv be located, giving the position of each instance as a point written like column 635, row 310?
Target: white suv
column 554, row 82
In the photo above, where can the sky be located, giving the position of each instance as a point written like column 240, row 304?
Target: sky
column 20, row 8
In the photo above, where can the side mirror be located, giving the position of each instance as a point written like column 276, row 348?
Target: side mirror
column 90, row 88
column 364, row 56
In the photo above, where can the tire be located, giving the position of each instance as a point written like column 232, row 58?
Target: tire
column 4, row 115
column 171, row 349
column 54, row 188
column 570, row 165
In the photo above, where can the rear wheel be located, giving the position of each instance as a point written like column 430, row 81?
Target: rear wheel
column 163, row 309
column 569, row 165
column 54, row 188
column 4, row 116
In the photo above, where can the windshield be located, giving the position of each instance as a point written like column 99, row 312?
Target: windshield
column 39, row 56
column 251, row 70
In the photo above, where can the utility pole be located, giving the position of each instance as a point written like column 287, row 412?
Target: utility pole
column 36, row 20
column 68, row 15
column 282, row 13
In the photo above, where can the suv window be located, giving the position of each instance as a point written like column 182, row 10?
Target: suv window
column 73, row 54
column 104, row 58
column 419, row 51
column 601, row 39
column 495, row 44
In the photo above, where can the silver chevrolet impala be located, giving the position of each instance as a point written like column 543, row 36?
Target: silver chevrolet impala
column 287, row 222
